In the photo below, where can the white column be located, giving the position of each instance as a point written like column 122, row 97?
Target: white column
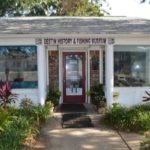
column 41, row 74
column 101, row 65
column 88, row 75
column 60, row 74
column 109, row 73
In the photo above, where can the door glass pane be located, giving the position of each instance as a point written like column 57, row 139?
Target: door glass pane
column 74, row 74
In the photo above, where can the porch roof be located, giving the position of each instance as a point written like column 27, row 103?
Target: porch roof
column 74, row 25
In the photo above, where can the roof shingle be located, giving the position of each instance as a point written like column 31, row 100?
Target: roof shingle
column 69, row 25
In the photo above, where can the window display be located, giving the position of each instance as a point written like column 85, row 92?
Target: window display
column 18, row 65
column 131, row 66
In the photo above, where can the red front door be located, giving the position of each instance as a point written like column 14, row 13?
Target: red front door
column 73, row 77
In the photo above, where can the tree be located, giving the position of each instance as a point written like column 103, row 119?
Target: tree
column 144, row 1
column 6, row 6
column 51, row 7
column 79, row 8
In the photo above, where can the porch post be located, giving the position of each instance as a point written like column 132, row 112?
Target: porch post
column 60, row 55
column 41, row 55
column 109, row 73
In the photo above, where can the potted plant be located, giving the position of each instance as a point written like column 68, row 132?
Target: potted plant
column 53, row 96
column 97, row 95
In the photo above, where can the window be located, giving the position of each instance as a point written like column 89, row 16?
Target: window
column 18, row 64
column 131, row 66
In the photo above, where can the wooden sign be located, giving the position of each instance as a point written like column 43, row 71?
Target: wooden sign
column 74, row 41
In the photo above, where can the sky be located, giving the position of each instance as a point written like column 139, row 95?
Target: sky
column 131, row 8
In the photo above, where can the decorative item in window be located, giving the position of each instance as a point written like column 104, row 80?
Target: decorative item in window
column 131, row 66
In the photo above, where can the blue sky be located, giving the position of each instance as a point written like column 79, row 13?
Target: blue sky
column 131, row 8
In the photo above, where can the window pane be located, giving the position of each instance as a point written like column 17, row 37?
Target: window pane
column 131, row 66
column 18, row 64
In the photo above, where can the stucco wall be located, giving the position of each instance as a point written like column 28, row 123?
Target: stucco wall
column 32, row 94
column 129, row 96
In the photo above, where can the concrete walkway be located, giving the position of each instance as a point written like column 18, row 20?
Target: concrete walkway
column 54, row 137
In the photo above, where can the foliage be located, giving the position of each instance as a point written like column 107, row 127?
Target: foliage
column 26, row 103
column 143, row 1
column 17, row 124
column 51, row 7
column 15, row 132
column 79, row 8
column 42, row 113
column 102, row 104
column 6, row 96
column 97, row 94
column 39, row 113
column 145, row 145
column 3, row 119
column 6, row 6
column 53, row 96
column 136, row 118
column 147, row 97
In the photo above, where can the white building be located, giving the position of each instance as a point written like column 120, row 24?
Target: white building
column 74, row 53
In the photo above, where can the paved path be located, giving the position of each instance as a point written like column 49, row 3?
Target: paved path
column 53, row 137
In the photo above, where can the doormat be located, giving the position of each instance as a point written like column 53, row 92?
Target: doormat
column 76, row 120
column 65, row 108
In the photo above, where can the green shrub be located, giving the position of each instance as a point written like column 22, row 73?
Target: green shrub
column 97, row 94
column 26, row 103
column 53, row 96
column 3, row 119
column 136, row 118
column 16, row 124
column 43, row 112
column 143, row 107
column 14, row 133
column 145, row 145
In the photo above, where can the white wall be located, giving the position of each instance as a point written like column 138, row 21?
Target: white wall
column 32, row 94
column 132, row 41
column 129, row 96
